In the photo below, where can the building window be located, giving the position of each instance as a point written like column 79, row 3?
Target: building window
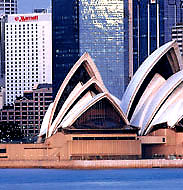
column 3, row 150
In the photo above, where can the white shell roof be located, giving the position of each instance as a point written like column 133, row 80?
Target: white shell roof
column 77, row 91
column 143, row 71
column 160, row 97
column 146, row 98
column 171, row 110
column 65, row 107
column 91, row 68
column 44, row 126
column 76, row 110
column 80, row 108
column 82, row 104
column 116, row 99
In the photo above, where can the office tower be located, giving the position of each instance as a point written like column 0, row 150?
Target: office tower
column 28, row 53
column 152, row 24
column 97, row 27
column 177, row 34
column 28, row 111
column 8, row 7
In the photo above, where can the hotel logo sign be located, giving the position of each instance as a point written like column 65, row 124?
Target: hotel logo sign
column 26, row 18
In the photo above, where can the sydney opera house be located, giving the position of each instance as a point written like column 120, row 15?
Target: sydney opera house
column 86, row 122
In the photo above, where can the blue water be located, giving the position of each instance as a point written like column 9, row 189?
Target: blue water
column 123, row 179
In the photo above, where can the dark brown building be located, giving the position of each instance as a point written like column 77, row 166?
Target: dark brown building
column 28, row 111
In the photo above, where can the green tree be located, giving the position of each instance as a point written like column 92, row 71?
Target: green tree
column 10, row 132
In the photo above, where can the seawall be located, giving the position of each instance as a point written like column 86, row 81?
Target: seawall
column 94, row 164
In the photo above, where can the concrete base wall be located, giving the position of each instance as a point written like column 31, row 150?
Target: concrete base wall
column 97, row 164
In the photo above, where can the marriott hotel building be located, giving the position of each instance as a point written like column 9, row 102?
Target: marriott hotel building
column 28, row 53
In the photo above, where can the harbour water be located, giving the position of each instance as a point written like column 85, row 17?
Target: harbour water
column 122, row 179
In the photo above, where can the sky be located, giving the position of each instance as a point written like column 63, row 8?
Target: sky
column 27, row 6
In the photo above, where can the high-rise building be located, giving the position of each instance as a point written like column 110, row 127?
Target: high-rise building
column 28, row 53
column 3, row 20
column 152, row 24
column 8, row 7
column 97, row 27
column 177, row 34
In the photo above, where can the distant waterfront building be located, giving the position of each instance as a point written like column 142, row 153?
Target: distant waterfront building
column 152, row 24
column 177, row 34
column 28, row 111
column 28, row 53
column 8, row 7
column 100, row 28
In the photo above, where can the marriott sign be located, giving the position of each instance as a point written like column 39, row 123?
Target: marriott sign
column 26, row 18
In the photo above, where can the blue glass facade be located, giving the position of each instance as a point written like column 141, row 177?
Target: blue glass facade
column 152, row 23
column 65, row 39
column 99, row 27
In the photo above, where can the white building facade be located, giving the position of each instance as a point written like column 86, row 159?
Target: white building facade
column 28, row 53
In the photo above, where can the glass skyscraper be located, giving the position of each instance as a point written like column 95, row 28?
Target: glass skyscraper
column 65, row 39
column 99, row 27
column 152, row 23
